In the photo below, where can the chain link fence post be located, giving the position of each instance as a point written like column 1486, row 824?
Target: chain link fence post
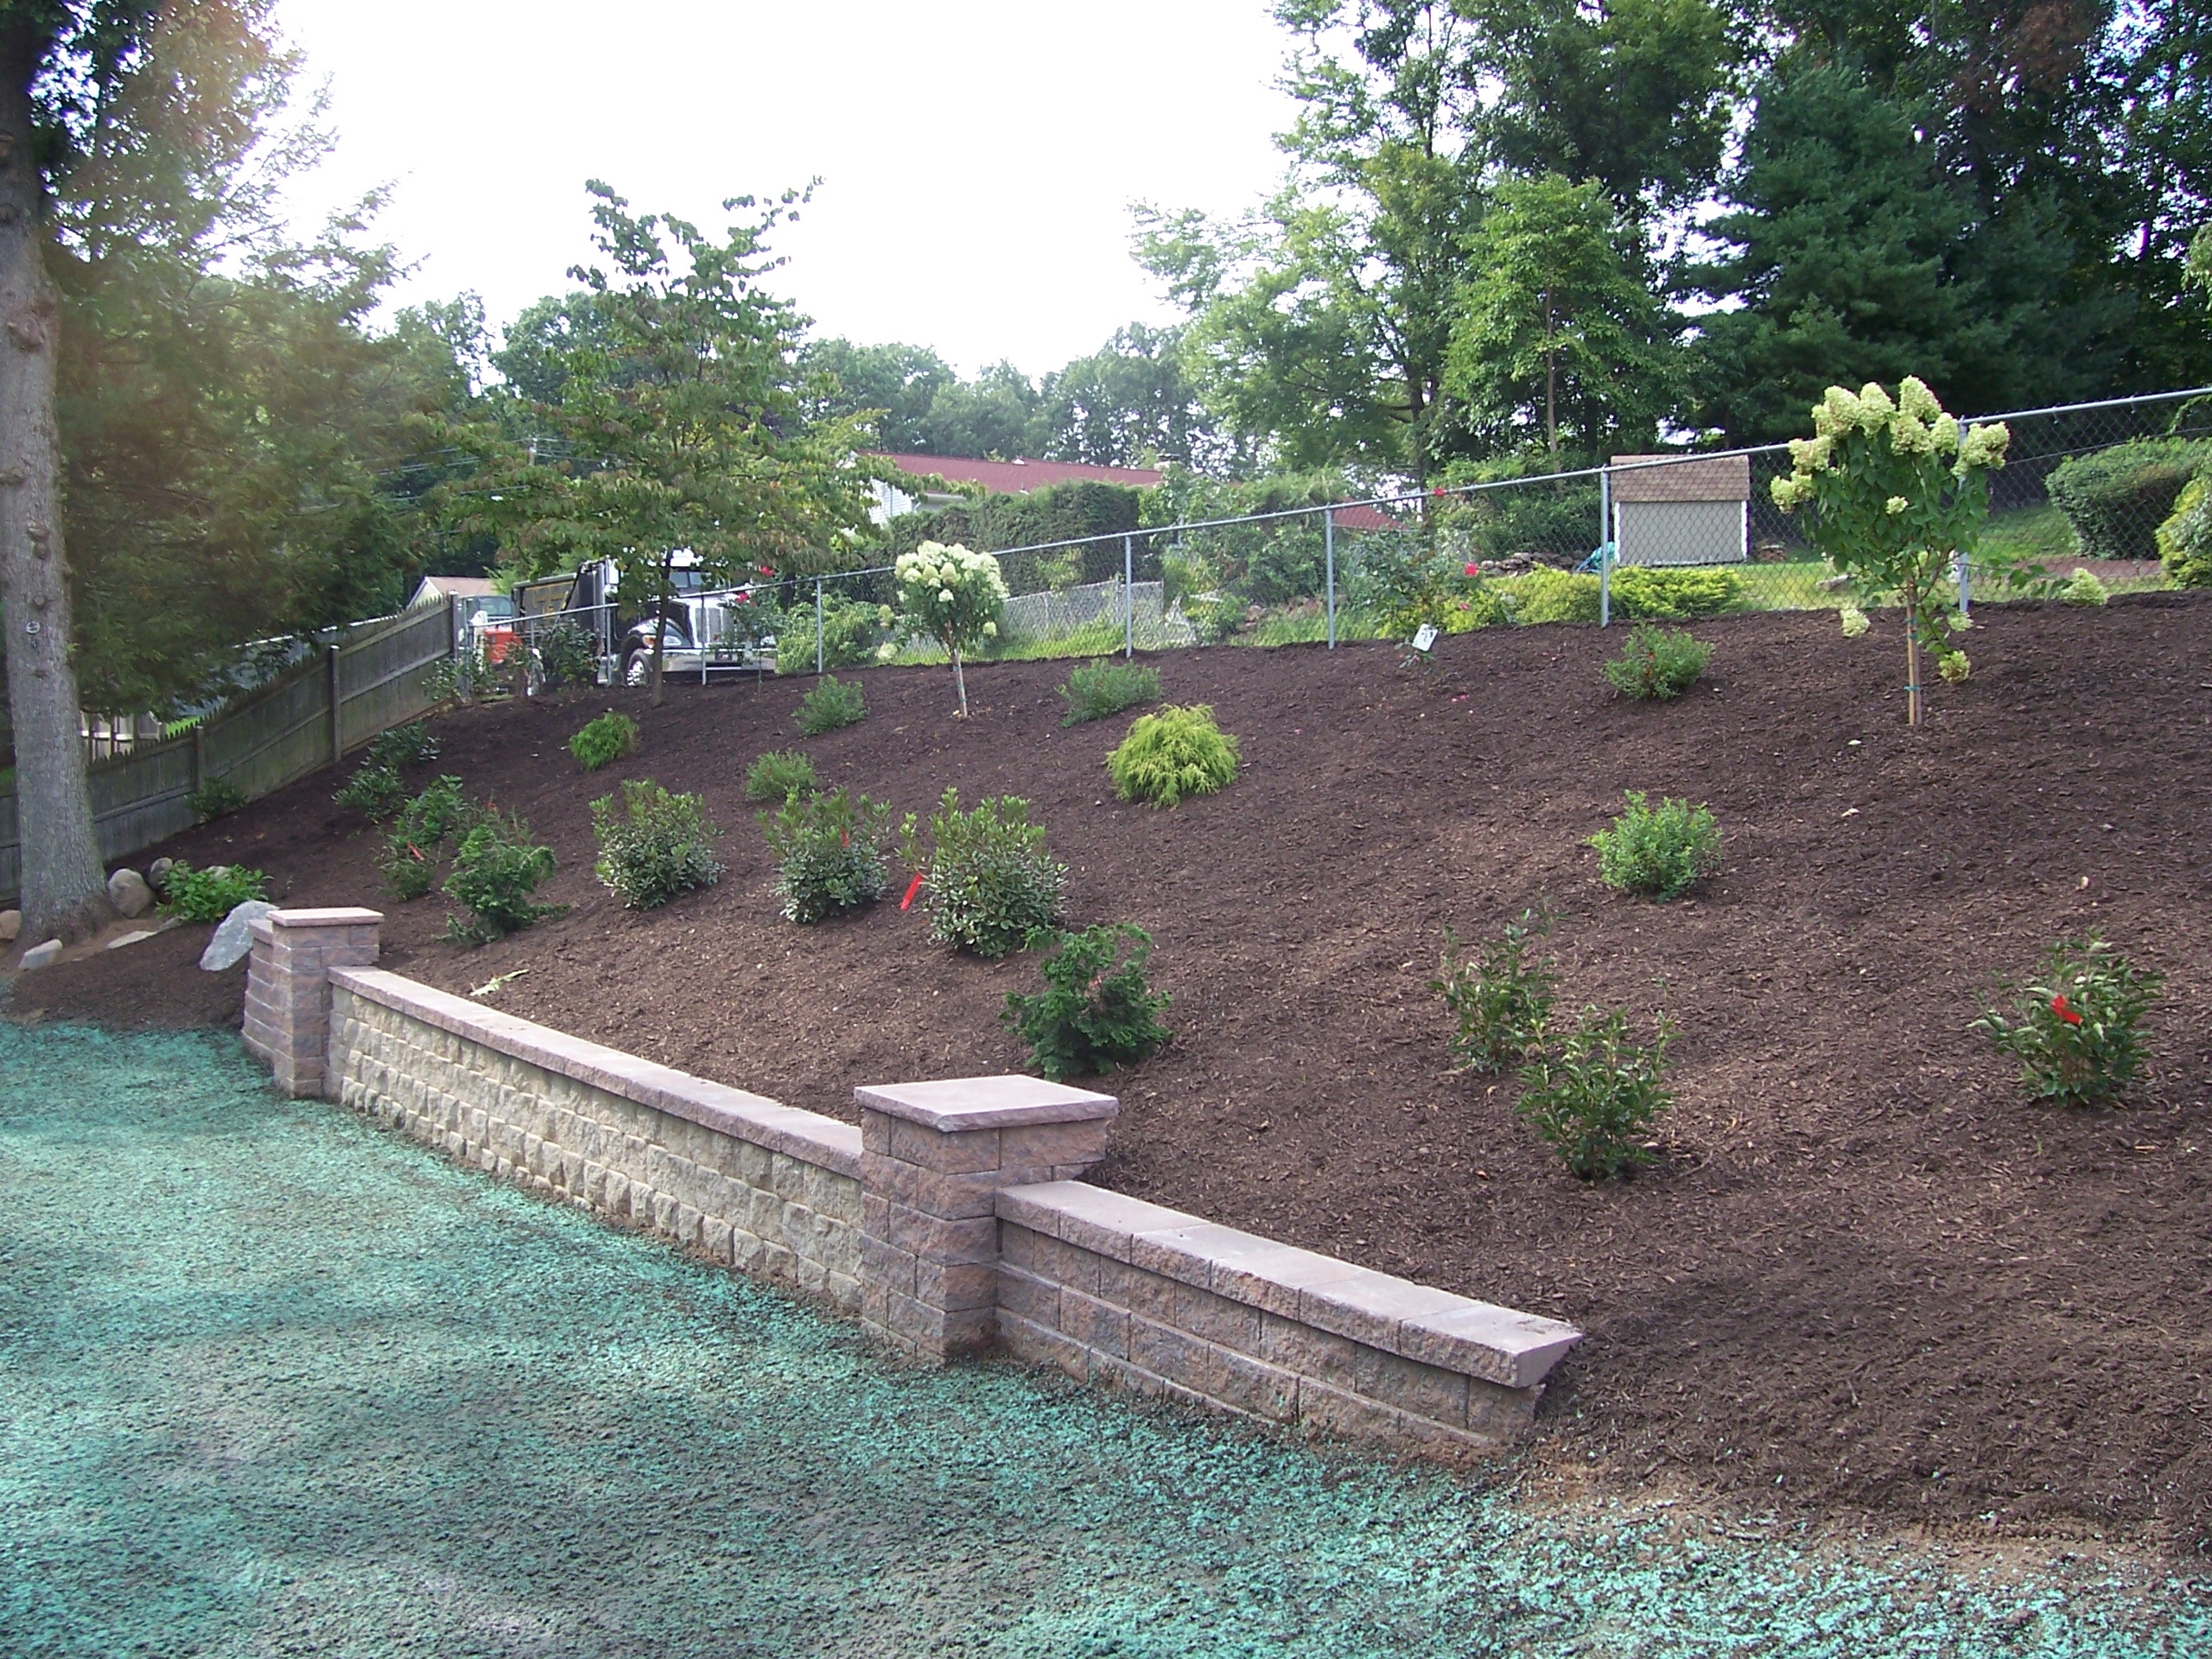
column 1329, row 564
column 1605, row 547
column 1129, row 596
column 819, row 647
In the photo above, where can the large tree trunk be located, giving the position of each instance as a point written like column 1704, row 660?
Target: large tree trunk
column 64, row 888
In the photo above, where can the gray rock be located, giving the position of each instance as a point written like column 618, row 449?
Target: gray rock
column 128, row 892
column 12, row 926
column 120, row 940
column 158, row 871
column 41, row 956
column 233, row 939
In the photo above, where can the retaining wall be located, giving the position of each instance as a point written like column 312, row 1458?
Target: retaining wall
column 762, row 1187
column 948, row 1222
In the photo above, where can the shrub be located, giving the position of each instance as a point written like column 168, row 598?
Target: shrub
column 1501, row 998
column 411, row 745
column 495, row 871
column 375, row 792
column 1092, row 1016
column 1593, row 1094
column 2074, row 1030
column 422, row 825
column 604, row 740
column 1657, row 663
column 565, row 657
column 1095, row 690
column 830, row 852
column 2116, row 498
column 1644, row 593
column 656, row 847
column 850, row 628
column 778, row 773
column 2084, row 589
column 1552, row 596
column 829, row 705
column 1658, row 853
column 213, row 798
column 989, row 882
column 2185, row 539
column 1175, row 752
column 209, row 895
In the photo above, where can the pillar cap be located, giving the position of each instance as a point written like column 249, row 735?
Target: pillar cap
column 952, row 1104
column 344, row 916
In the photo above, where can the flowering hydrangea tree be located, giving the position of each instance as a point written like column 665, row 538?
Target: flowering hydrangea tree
column 953, row 596
column 1899, row 490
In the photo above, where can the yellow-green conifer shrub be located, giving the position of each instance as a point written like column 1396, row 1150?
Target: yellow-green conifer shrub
column 1176, row 753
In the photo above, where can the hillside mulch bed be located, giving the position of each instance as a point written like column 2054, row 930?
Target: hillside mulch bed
column 1864, row 1274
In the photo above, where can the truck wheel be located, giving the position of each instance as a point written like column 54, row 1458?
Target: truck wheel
column 637, row 666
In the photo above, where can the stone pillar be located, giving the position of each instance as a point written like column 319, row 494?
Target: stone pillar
column 933, row 1157
column 288, row 988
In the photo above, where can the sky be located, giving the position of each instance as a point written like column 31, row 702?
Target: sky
column 977, row 158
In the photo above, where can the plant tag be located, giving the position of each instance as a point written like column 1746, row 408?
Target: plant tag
column 912, row 887
column 1426, row 637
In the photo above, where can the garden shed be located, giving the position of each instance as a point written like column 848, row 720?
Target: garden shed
column 1682, row 509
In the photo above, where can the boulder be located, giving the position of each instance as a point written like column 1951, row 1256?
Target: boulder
column 120, row 940
column 158, row 871
column 12, row 926
column 233, row 939
column 128, row 892
column 40, row 955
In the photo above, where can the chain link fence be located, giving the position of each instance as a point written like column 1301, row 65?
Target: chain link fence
column 1680, row 538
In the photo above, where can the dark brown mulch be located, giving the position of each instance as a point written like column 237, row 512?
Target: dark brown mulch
column 1867, row 1273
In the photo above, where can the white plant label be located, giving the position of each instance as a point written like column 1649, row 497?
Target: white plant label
column 1426, row 637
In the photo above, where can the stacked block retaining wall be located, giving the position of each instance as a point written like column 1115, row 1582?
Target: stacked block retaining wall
column 948, row 1222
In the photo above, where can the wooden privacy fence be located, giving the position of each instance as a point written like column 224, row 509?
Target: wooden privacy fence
column 370, row 679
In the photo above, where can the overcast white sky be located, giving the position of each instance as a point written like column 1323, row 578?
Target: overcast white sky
column 977, row 157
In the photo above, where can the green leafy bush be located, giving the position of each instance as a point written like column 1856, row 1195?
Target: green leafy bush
column 603, row 741
column 1172, row 754
column 2084, row 589
column 1501, row 998
column 987, row 880
column 2073, row 1030
column 850, row 628
column 1658, row 853
column 829, row 705
column 1552, row 597
column 1657, row 663
column 214, row 799
column 375, row 792
column 565, row 657
column 1095, row 690
column 2116, row 498
column 1092, row 1015
column 655, row 847
column 210, row 894
column 780, row 773
column 1593, row 1094
column 495, row 872
column 1646, row 593
column 411, row 745
column 2185, row 538
column 830, row 852
column 409, row 861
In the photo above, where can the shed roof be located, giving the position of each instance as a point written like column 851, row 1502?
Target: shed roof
column 1682, row 478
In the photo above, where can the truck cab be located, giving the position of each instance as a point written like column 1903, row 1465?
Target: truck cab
column 705, row 631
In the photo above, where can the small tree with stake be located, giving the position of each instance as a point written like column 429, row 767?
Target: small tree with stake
column 1899, row 490
column 953, row 596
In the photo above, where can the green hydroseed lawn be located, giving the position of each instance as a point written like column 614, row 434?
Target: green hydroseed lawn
column 273, row 1381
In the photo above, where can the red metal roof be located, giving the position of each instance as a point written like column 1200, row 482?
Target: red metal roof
column 1019, row 477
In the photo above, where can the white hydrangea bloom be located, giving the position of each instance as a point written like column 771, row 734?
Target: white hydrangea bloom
column 1854, row 622
column 1909, row 437
column 1984, row 446
column 1875, row 408
column 1947, row 435
column 1895, row 504
column 1915, row 400
column 990, row 629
